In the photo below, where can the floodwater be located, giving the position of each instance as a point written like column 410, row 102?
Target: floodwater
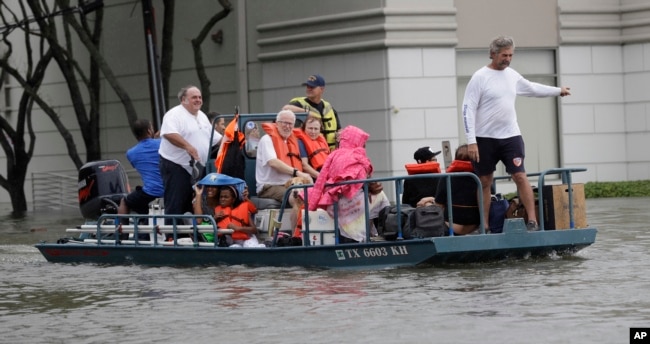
column 592, row 297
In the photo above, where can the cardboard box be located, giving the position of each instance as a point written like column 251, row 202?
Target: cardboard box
column 320, row 237
column 321, row 228
column 556, row 206
column 319, row 220
column 265, row 219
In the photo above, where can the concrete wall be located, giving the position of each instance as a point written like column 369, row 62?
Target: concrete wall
column 605, row 56
column 390, row 67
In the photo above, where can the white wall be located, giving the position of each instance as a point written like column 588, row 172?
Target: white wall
column 422, row 95
column 605, row 122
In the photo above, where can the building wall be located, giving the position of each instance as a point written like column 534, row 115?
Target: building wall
column 604, row 55
column 391, row 68
column 379, row 64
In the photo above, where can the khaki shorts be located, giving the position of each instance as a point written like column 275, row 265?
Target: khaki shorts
column 275, row 192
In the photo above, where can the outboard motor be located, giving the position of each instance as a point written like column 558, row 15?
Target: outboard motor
column 102, row 185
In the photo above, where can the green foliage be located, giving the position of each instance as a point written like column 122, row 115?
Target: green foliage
column 638, row 188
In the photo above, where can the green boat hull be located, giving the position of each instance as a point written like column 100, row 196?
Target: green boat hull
column 372, row 255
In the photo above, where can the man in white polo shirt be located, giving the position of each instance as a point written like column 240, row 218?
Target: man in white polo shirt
column 185, row 134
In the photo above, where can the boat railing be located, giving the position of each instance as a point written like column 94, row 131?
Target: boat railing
column 109, row 229
column 564, row 173
column 398, row 183
column 565, row 178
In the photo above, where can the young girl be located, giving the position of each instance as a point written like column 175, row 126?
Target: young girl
column 235, row 215
column 206, row 199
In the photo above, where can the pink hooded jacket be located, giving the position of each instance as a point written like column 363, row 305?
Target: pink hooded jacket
column 347, row 162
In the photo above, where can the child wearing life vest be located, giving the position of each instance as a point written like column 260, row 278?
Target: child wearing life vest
column 235, row 215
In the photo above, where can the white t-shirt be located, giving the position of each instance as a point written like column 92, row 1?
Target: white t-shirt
column 265, row 174
column 195, row 130
column 489, row 103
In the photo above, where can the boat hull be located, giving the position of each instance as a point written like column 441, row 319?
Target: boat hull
column 383, row 254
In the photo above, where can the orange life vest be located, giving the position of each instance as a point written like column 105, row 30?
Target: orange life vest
column 287, row 151
column 317, row 150
column 297, row 232
column 230, row 135
column 427, row 167
column 238, row 216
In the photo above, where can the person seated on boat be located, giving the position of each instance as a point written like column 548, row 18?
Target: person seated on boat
column 278, row 157
column 377, row 200
column 463, row 195
column 348, row 162
column 252, row 135
column 144, row 158
column 312, row 144
column 246, row 200
column 416, row 189
column 220, row 127
column 231, row 213
column 206, row 198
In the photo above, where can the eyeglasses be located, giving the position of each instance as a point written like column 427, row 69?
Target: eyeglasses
column 285, row 123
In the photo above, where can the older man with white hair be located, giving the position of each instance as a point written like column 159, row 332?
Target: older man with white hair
column 278, row 157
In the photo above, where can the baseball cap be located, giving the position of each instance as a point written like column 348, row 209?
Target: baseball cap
column 314, row 81
column 424, row 154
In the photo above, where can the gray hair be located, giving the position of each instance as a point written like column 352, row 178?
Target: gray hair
column 501, row 42
column 183, row 92
column 285, row 112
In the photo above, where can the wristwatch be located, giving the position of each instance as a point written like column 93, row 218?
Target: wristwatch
column 295, row 172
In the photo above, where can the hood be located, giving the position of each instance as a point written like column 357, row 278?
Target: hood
column 352, row 137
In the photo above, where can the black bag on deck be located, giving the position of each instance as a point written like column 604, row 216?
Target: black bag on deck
column 498, row 208
column 387, row 220
column 426, row 222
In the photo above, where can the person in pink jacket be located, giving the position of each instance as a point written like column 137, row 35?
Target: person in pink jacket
column 347, row 162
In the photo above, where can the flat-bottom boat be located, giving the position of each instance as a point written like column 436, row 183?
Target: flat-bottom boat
column 105, row 241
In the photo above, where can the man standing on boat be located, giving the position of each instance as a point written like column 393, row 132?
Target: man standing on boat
column 185, row 133
column 318, row 107
column 491, row 126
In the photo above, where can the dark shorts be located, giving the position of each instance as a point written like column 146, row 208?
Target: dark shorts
column 510, row 151
column 139, row 200
column 464, row 215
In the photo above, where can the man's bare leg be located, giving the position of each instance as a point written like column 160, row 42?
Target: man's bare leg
column 486, row 185
column 526, row 195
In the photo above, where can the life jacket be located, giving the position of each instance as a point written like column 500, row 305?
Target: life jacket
column 317, row 150
column 426, row 167
column 251, row 207
column 297, row 232
column 230, row 160
column 327, row 117
column 288, row 152
column 460, row 166
column 238, row 216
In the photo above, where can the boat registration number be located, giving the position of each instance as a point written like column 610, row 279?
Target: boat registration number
column 372, row 252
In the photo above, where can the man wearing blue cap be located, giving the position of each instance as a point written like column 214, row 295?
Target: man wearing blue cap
column 317, row 107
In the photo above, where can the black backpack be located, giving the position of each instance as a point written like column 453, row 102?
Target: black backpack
column 387, row 225
column 426, row 222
